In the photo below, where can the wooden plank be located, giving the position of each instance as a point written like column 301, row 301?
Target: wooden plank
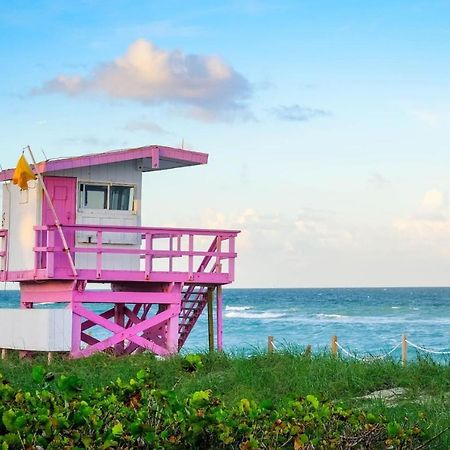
column 269, row 344
column 210, row 319
column 334, row 346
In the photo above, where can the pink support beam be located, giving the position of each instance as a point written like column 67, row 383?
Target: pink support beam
column 121, row 333
column 219, row 319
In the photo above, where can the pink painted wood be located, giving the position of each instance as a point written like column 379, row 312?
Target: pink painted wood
column 155, row 153
column 62, row 191
column 153, row 242
column 148, row 308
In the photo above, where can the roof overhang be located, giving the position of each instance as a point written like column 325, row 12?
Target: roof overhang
column 149, row 158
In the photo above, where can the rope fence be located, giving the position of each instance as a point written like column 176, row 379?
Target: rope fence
column 369, row 357
column 337, row 348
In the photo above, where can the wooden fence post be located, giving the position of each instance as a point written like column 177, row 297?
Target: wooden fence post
column 404, row 350
column 334, row 346
column 270, row 344
column 308, row 351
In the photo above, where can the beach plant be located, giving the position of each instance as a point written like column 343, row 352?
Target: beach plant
column 130, row 414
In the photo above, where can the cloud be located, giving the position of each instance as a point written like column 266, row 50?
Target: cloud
column 430, row 225
column 297, row 113
column 150, row 75
column 435, row 202
column 323, row 229
column 141, row 125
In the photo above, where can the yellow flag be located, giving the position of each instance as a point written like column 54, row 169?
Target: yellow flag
column 23, row 174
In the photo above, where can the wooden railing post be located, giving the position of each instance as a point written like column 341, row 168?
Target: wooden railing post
column 404, row 350
column 148, row 256
column 50, row 253
column 218, row 251
column 231, row 261
column 171, row 253
column 269, row 344
column 308, row 351
column 99, row 254
column 334, row 347
column 191, row 256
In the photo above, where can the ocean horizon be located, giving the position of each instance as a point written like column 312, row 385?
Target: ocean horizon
column 367, row 321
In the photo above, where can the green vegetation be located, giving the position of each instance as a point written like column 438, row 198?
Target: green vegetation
column 282, row 400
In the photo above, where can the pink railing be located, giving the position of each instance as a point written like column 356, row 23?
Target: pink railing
column 152, row 251
column 3, row 253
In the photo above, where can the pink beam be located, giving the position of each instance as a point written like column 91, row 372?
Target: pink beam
column 124, row 297
column 154, row 231
column 89, row 339
column 179, row 156
column 219, row 319
column 89, row 324
column 123, row 333
column 52, row 291
column 119, row 319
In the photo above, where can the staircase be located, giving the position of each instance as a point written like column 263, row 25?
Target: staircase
column 192, row 305
column 194, row 300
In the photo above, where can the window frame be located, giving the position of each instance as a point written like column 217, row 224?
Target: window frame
column 108, row 185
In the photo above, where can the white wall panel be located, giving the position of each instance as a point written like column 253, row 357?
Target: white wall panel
column 36, row 329
column 22, row 210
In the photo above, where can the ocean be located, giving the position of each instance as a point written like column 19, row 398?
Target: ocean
column 367, row 321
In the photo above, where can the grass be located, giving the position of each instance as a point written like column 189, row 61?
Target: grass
column 274, row 377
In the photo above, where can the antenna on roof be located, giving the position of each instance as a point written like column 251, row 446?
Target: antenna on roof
column 45, row 156
column 182, row 144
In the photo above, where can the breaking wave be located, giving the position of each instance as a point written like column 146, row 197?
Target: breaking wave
column 237, row 308
column 253, row 315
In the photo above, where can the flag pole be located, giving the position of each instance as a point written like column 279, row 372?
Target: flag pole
column 55, row 215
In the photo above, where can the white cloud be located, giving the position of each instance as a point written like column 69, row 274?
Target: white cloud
column 322, row 229
column 429, row 226
column 150, row 75
column 297, row 113
column 435, row 201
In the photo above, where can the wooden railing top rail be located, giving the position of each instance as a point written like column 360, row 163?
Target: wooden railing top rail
column 144, row 230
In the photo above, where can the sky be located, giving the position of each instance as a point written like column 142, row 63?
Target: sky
column 326, row 123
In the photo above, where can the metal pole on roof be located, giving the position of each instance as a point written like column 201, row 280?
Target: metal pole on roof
column 55, row 215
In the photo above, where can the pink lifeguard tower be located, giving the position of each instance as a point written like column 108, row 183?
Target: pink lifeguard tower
column 123, row 287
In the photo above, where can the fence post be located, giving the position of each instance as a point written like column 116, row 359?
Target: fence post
column 270, row 344
column 308, row 351
column 404, row 350
column 4, row 353
column 49, row 358
column 334, row 346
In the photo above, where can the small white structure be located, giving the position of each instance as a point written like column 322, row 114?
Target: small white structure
column 47, row 330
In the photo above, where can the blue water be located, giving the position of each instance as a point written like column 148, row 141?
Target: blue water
column 365, row 320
